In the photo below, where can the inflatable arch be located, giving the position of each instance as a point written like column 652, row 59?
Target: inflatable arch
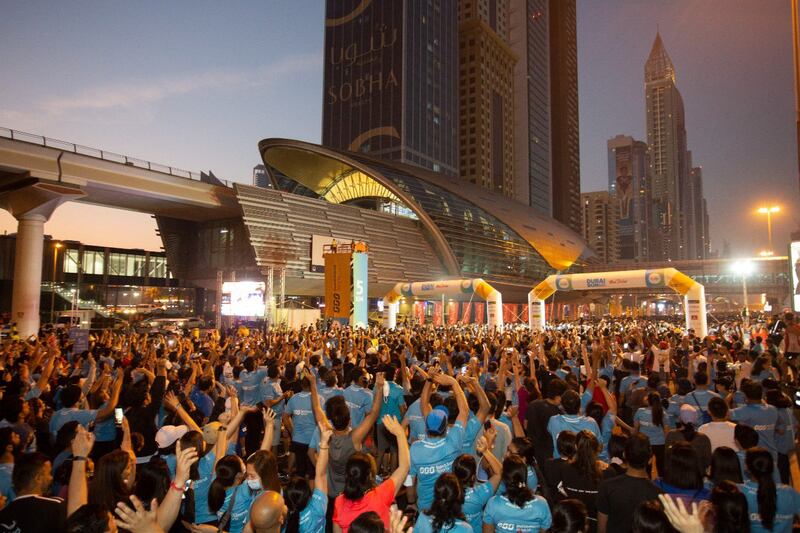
column 694, row 294
column 453, row 287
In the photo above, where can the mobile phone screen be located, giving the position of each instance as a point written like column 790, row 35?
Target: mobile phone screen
column 118, row 416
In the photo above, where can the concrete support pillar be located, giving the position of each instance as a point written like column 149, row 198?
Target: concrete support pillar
column 31, row 201
column 28, row 273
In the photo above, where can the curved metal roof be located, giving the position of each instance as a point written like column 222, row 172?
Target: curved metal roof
column 318, row 168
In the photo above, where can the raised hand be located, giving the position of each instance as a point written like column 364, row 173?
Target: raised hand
column 138, row 519
column 82, row 443
column 269, row 416
column 393, row 426
column 679, row 517
column 185, row 458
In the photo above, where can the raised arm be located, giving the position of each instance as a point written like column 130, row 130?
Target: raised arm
column 484, row 447
column 108, row 409
column 171, row 403
column 269, row 429
column 171, row 504
column 321, row 472
column 483, row 401
column 458, row 392
column 78, row 493
column 316, row 405
column 403, row 454
column 363, row 429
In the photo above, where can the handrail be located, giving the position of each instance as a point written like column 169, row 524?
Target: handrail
column 22, row 136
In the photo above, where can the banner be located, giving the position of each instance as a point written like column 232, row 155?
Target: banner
column 419, row 312
column 794, row 268
column 510, row 313
column 358, row 313
column 437, row 314
column 338, row 298
column 466, row 312
column 452, row 313
column 480, row 313
column 523, row 313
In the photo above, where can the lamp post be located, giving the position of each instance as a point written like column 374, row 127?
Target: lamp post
column 744, row 268
column 768, row 211
column 56, row 246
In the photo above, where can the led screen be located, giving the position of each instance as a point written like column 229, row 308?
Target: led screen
column 243, row 298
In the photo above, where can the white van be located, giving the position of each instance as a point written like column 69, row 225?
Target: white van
column 81, row 318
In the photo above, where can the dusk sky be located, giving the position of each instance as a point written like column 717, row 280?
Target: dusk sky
column 196, row 85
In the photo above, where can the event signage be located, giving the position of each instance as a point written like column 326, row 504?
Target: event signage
column 243, row 298
column 358, row 316
column 338, row 300
column 794, row 268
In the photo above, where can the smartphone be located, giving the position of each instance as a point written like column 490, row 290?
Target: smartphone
column 118, row 416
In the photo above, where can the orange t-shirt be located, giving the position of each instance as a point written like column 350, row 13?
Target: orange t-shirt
column 378, row 499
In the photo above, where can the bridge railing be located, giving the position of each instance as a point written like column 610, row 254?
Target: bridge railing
column 105, row 155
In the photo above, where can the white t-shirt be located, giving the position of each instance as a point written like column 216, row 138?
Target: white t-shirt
column 659, row 357
column 636, row 356
column 720, row 434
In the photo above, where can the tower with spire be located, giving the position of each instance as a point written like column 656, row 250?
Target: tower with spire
column 673, row 211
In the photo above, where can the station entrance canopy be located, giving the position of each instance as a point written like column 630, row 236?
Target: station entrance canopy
column 449, row 288
column 694, row 296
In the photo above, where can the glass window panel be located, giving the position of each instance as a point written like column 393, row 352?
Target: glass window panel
column 70, row 261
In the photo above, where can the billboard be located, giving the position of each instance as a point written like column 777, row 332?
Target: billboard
column 338, row 299
column 243, row 298
column 362, row 83
column 794, row 267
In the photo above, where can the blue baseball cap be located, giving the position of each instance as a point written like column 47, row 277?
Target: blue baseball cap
column 436, row 421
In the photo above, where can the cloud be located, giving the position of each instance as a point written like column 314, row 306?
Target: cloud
column 138, row 94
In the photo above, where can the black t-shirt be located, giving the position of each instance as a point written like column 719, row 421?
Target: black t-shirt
column 619, row 497
column 574, row 484
column 537, row 416
column 34, row 514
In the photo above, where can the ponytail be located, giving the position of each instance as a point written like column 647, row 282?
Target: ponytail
column 760, row 465
column 586, row 455
column 515, row 477
column 228, row 473
column 297, row 495
column 656, row 409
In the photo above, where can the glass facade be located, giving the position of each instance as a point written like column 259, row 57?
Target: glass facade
column 126, row 264
column 538, row 83
column 483, row 245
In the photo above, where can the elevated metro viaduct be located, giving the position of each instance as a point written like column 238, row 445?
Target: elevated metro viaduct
column 418, row 224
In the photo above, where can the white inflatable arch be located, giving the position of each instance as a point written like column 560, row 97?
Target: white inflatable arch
column 451, row 288
column 694, row 294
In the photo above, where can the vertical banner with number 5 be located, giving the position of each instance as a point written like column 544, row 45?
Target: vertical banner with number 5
column 360, row 302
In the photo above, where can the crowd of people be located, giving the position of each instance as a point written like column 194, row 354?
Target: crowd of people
column 611, row 426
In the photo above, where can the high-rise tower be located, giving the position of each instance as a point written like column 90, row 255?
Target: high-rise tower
column 486, row 112
column 629, row 185
column 666, row 139
column 391, row 80
column 546, row 150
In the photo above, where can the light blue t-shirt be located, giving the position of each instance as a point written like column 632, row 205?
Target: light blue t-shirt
column 644, row 415
column 424, row 524
column 105, row 430
column 475, row 499
column 506, row 516
column 249, row 386
column 700, row 399
column 312, row 518
column 6, row 487
column 606, row 430
column 392, row 404
column 240, row 512
column 299, row 407
column 62, row 416
column 205, row 469
column 785, row 442
column 471, row 433
column 763, row 418
column 415, row 421
column 433, row 456
column 574, row 423
column 359, row 401
column 788, row 506
column 327, row 393
column 631, row 382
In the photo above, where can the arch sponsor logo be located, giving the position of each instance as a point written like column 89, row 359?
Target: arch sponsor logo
column 654, row 278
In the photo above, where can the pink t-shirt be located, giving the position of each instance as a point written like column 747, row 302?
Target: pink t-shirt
column 378, row 499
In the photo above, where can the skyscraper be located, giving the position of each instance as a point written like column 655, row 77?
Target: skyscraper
column 697, row 226
column 391, row 80
column 546, row 150
column 629, row 186
column 486, row 111
column 600, row 216
column 666, row 139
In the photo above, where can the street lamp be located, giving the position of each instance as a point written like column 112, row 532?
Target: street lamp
column 744, row 268
column 768, row 211
column 56, row 246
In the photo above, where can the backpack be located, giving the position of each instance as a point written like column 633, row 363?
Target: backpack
column 705, row 417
